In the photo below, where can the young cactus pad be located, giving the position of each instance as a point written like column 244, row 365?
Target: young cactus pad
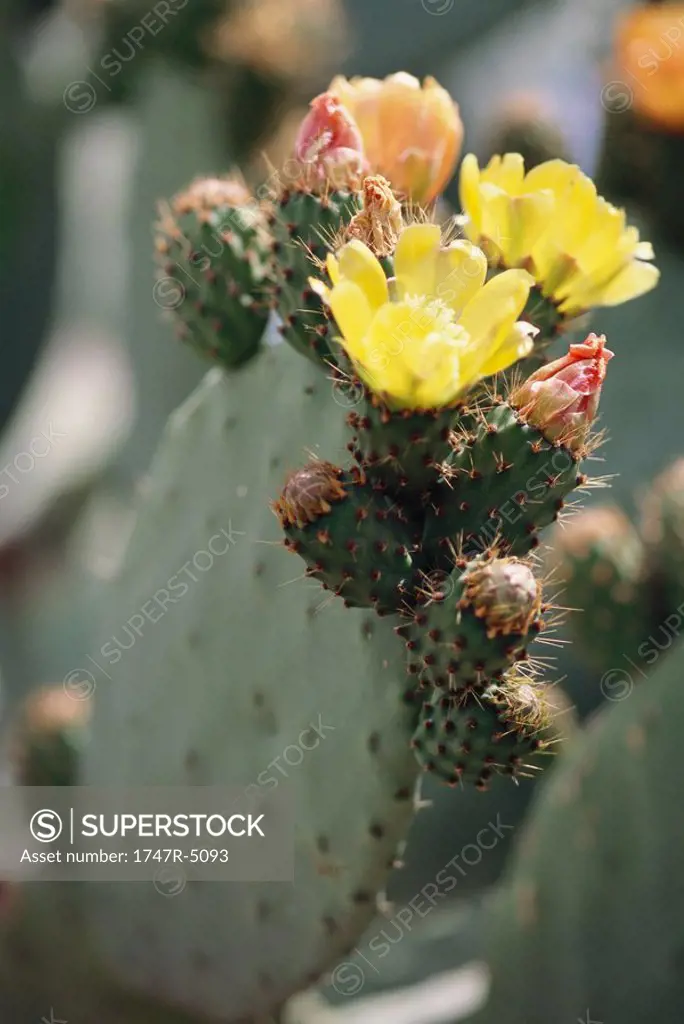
column 498, row 732
column 212, row 251
column 473, row 624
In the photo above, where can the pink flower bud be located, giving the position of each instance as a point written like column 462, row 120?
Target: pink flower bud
column 328, row 141
column 561, row 399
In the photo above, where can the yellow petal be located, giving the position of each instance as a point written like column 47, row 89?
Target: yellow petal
column 496, row 222
column 415, row 259
column 321, row 289
column 353, row 314
column 570, row 225
column 501, row 299
column 358, row 264
column 469, row 195
column 461, row 272
column 507, row 174
column 331, row 265
column 516, row 344
column 440, row 389
column 555, row 175
column 385, row 367
column 643, row 251
column 528, row 219
column 629, row 283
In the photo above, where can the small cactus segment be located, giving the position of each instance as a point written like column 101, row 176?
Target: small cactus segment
column 506, row 483
column 401, row 449
column 212, row 252
column 512, row 467
column 354, row 541
column 302, row 225
column 663, row 531
column 48, row 738
column 481, row 735
column 310, row 208
column 474, row 624
column 600, row 561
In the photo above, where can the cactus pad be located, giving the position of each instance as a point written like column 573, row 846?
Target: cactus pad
column 599, row 856
column 506, row 481
column 401, row 449
column 212, row 251
column 303, row 225
column 351, row 539
column 481, row 735
column 474, row 624
column 250, row 678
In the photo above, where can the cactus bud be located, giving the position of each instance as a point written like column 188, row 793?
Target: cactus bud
column 308, row 492
column 505, row 595
column 561, row 398
column 328, row 143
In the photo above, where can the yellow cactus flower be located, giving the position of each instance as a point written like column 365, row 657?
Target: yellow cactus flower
column 424, row 337
column 412, row 134
column 552, row 222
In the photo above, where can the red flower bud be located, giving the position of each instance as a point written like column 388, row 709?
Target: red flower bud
column 328, row 141
column 561, row 399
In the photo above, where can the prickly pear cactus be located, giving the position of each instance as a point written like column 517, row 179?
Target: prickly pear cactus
column 562, row 939
column 251, row 676
column 230, row 656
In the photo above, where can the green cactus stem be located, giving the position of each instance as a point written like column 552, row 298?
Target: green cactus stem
column 502, row 731
column 514, row 462
column 473, row 624
column 212, row 250
column 504, row 483
column 359, row 545
column 303, row 224
column 402, row 449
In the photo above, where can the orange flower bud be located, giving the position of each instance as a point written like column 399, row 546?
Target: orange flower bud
column 328, row 141
column 561, row 399
column 412, row 134
column 649, row 53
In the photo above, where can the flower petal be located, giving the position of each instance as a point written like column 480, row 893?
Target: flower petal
column 461, row 272
column 555, row 175
column 528, row 220
column 508, row 173
column 352, row 312
column 469, row 195
column 358, row 264
column 516, row 344
column 415, row 259
column 332, row 266
column 633, row 280
column 502, row 298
